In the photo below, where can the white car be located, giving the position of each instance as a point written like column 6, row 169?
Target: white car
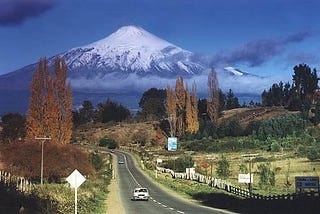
column 140, row 194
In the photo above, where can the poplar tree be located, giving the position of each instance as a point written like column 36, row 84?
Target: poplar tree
column 194, row 108
column 63, row 98
column 50, row 105
column 171, row 110
column 36, row 124
column 181, row 105
column 213, row 100
column 189, row 115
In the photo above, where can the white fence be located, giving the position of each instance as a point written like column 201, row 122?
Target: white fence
column 18, row 183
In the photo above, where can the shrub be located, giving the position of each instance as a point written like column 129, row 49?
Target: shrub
column 180, row 164
column 230, row 128
column 96, row 161
column 110, row 143
column 24, row 158
column 313, row 153
column 301, row 151
column 113, row 145
column 280, row 127
column 275, row 146
column 252, row 127
column 139, row 137
column 223, row 168
column 267, row 176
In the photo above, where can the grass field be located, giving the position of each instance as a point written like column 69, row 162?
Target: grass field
column 285, row 165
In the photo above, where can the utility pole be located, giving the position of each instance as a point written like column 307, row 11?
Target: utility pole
column 43, row 139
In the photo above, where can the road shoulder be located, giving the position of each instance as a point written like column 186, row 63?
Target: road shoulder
column 113, row 202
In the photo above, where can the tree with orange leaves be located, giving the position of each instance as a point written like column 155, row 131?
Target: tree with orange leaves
column 189, row 116
column 63, row 97
column 194, row 108
column 36, row 120
column 50, row 106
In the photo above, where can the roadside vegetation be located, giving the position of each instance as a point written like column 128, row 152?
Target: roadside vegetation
column 214, row 135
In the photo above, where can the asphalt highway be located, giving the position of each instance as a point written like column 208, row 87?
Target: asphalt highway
column 160, row 201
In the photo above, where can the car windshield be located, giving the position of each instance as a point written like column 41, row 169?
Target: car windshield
column 141, row 190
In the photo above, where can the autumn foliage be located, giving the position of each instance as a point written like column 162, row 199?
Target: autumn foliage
column 182, row 109
column 50, row 104
column 24, row 159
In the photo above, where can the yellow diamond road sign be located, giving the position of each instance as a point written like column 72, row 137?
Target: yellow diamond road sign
column 75, row 179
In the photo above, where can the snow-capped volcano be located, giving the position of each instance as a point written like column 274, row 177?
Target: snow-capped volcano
column 131, row 49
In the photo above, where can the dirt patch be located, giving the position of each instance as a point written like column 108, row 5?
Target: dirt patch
column 123, row 133
column 245, row 115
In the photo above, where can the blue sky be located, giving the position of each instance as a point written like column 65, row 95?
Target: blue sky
column 260, row 37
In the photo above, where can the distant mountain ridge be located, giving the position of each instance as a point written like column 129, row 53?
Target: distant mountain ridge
column 132, row 49
column 128, row 61
column 129, row 50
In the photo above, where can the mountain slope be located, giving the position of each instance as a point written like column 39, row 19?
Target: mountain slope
column 131, row 50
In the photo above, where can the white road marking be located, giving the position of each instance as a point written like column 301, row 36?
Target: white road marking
column 125, row 159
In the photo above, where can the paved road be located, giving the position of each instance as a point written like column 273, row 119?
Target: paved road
column 160, row 201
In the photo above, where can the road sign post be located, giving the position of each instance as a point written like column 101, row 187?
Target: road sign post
column 75, row 179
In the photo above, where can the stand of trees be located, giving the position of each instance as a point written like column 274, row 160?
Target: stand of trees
column 182, row 109
column 300, row 96
column 104, row 113
column 50, row 105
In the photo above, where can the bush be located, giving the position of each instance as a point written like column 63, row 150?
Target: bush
column 96, row 161
column 59, row 198
column 280, row 127
column 301, row 151
column 227, row 144
column 252, row 127
column 313, row 153
column 230, row 128
column 180, row 164
column 113, row 145
column 275, row 146
column 223, row 168
column 267, row 176
column 24, row 158
column 110, row 143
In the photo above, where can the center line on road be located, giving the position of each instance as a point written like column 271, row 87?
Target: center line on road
column 125, row 158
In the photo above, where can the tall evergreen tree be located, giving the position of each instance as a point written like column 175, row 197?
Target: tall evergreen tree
column 305, row 83
column 152, row 103
column 231, row 100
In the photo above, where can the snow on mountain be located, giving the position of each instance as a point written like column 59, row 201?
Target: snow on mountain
column 131, row 49
column 234, row 71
